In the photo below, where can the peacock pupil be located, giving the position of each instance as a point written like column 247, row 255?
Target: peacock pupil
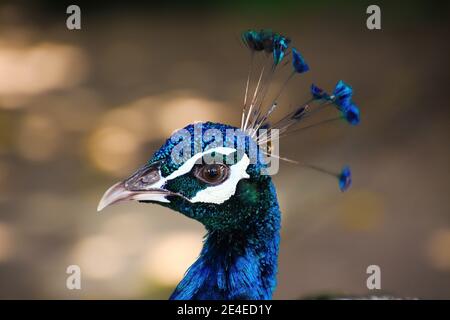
column 212, row 172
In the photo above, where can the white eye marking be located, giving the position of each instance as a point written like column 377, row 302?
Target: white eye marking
column 189, row 164
column 222, row 192
column 215, row 194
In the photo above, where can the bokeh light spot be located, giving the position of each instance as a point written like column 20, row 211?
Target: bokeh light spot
column 98, row 256
column 113, row 149
column 172, row 255
column 38, row 138
column 39, row 68
column 439, row 249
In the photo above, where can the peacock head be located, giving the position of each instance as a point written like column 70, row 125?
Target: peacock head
column 210, row 172
column 218, row 174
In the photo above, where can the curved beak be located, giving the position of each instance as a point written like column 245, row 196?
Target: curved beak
column 144, row 185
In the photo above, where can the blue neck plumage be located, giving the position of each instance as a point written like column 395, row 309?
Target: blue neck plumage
column 237, row 264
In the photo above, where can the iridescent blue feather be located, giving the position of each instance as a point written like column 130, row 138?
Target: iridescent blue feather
column 298, row 62
column 345, row 179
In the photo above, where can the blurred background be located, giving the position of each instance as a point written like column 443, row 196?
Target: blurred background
column 80, row 110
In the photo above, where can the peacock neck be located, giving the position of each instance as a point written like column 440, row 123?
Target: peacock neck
column 239, row 263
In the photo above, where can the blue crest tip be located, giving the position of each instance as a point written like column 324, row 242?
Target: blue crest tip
column 343, row 94
column 351, row 114
column 266, row 40
column 345, row 179
column 318, row 93
column 266, row 37
column 298, row 62
column 280, row 45
column 253, row 40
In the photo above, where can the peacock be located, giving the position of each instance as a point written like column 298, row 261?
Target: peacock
column 220, row 175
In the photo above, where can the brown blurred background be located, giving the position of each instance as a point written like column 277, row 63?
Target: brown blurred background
column 81, row 109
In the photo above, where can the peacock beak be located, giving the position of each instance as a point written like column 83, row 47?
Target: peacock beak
column 144, row 185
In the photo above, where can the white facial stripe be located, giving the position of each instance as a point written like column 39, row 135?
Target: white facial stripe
column 221, row 193
column 187, row 166
column 215, row 194
column 150, row 196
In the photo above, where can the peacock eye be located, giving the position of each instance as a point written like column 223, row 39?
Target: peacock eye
column 212, row 173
